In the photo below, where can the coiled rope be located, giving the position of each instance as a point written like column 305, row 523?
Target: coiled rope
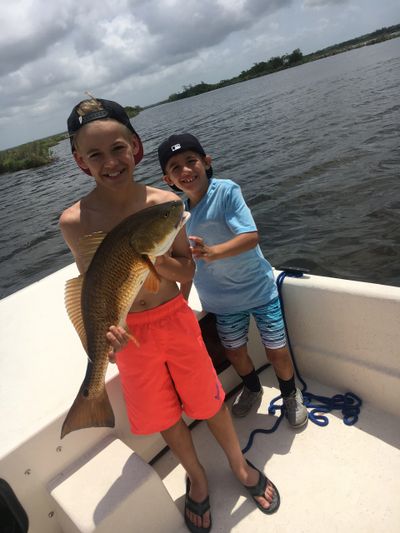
column 349, row 403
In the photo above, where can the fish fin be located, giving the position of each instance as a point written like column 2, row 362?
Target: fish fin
column 88, row 245
column 88, row 412
column 134, row 339
column 130, row 335
column 72, row 300
column 153, row 280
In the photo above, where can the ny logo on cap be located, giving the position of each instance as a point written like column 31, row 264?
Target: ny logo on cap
column 175, row 147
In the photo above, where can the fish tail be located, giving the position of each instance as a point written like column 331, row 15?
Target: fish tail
column 88, row 412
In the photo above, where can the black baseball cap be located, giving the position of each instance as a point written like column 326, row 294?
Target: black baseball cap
column 177, row 143
column 110, row 110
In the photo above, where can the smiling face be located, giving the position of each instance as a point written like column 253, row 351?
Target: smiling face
column 106, row 149
column 187, row 171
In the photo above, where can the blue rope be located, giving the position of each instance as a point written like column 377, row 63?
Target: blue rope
column 349, row 404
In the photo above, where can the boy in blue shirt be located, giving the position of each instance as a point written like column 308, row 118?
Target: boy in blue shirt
column 233, row 278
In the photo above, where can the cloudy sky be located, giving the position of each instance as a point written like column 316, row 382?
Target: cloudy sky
column 138, row 52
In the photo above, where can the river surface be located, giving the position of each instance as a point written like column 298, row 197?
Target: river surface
column 315, row 149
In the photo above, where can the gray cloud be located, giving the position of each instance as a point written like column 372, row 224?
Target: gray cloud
column 29, row 31
column 144, row 50
column 184, row 28
column 324, row 3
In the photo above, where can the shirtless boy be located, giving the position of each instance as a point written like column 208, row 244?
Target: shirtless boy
column 160, row 378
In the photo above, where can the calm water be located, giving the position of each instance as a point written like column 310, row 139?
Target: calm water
column 314, row 148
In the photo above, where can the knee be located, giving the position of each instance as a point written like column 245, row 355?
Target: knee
column 236, row 355
column 222, row 411
column 278, row 355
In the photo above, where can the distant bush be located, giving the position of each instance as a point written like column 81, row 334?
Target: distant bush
column 29, row 155
column 133, row 111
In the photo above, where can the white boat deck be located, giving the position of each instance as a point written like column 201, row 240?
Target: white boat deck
column 331, row 479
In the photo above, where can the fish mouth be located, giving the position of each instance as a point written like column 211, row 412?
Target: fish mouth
column 182, row 221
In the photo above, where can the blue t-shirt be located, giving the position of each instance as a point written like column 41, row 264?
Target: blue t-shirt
column 236, row 283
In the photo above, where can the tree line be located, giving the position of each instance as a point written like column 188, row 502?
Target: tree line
column 294, row 59
column 258, row 69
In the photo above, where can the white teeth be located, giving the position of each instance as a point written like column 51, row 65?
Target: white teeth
column 113, row 175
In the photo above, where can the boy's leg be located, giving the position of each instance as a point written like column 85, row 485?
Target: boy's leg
column 295, row 411
column 270, row 323
column 281, row 361
column 179, row 439
column 221, row 426
column 240, row 360
column 233, row 332
column 252, row 390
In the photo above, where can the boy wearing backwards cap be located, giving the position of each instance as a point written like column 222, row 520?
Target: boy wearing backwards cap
column 233, row 279
column 158, row 383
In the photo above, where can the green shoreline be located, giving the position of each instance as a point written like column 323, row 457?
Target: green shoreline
column 37, row 153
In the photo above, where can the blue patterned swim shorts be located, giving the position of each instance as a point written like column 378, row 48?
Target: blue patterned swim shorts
column 233, row 329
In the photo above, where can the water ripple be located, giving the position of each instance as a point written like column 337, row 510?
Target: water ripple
column 314, row 148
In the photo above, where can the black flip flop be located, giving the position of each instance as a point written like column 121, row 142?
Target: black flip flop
column 259, row 490
column 198, row 508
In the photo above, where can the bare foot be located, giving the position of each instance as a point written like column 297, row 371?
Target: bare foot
column 197, row 507
column 249, row 478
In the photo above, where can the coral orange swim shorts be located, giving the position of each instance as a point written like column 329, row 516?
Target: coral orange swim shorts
column 170, row 371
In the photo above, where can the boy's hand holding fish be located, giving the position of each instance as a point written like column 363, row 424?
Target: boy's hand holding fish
column 117, row 336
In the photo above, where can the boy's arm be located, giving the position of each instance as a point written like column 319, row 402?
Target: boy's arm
column 69, row 226
column 185, row 289
column 177, row 265
column 239, row 244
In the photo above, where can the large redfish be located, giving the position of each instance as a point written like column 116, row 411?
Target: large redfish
column 121, row 262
